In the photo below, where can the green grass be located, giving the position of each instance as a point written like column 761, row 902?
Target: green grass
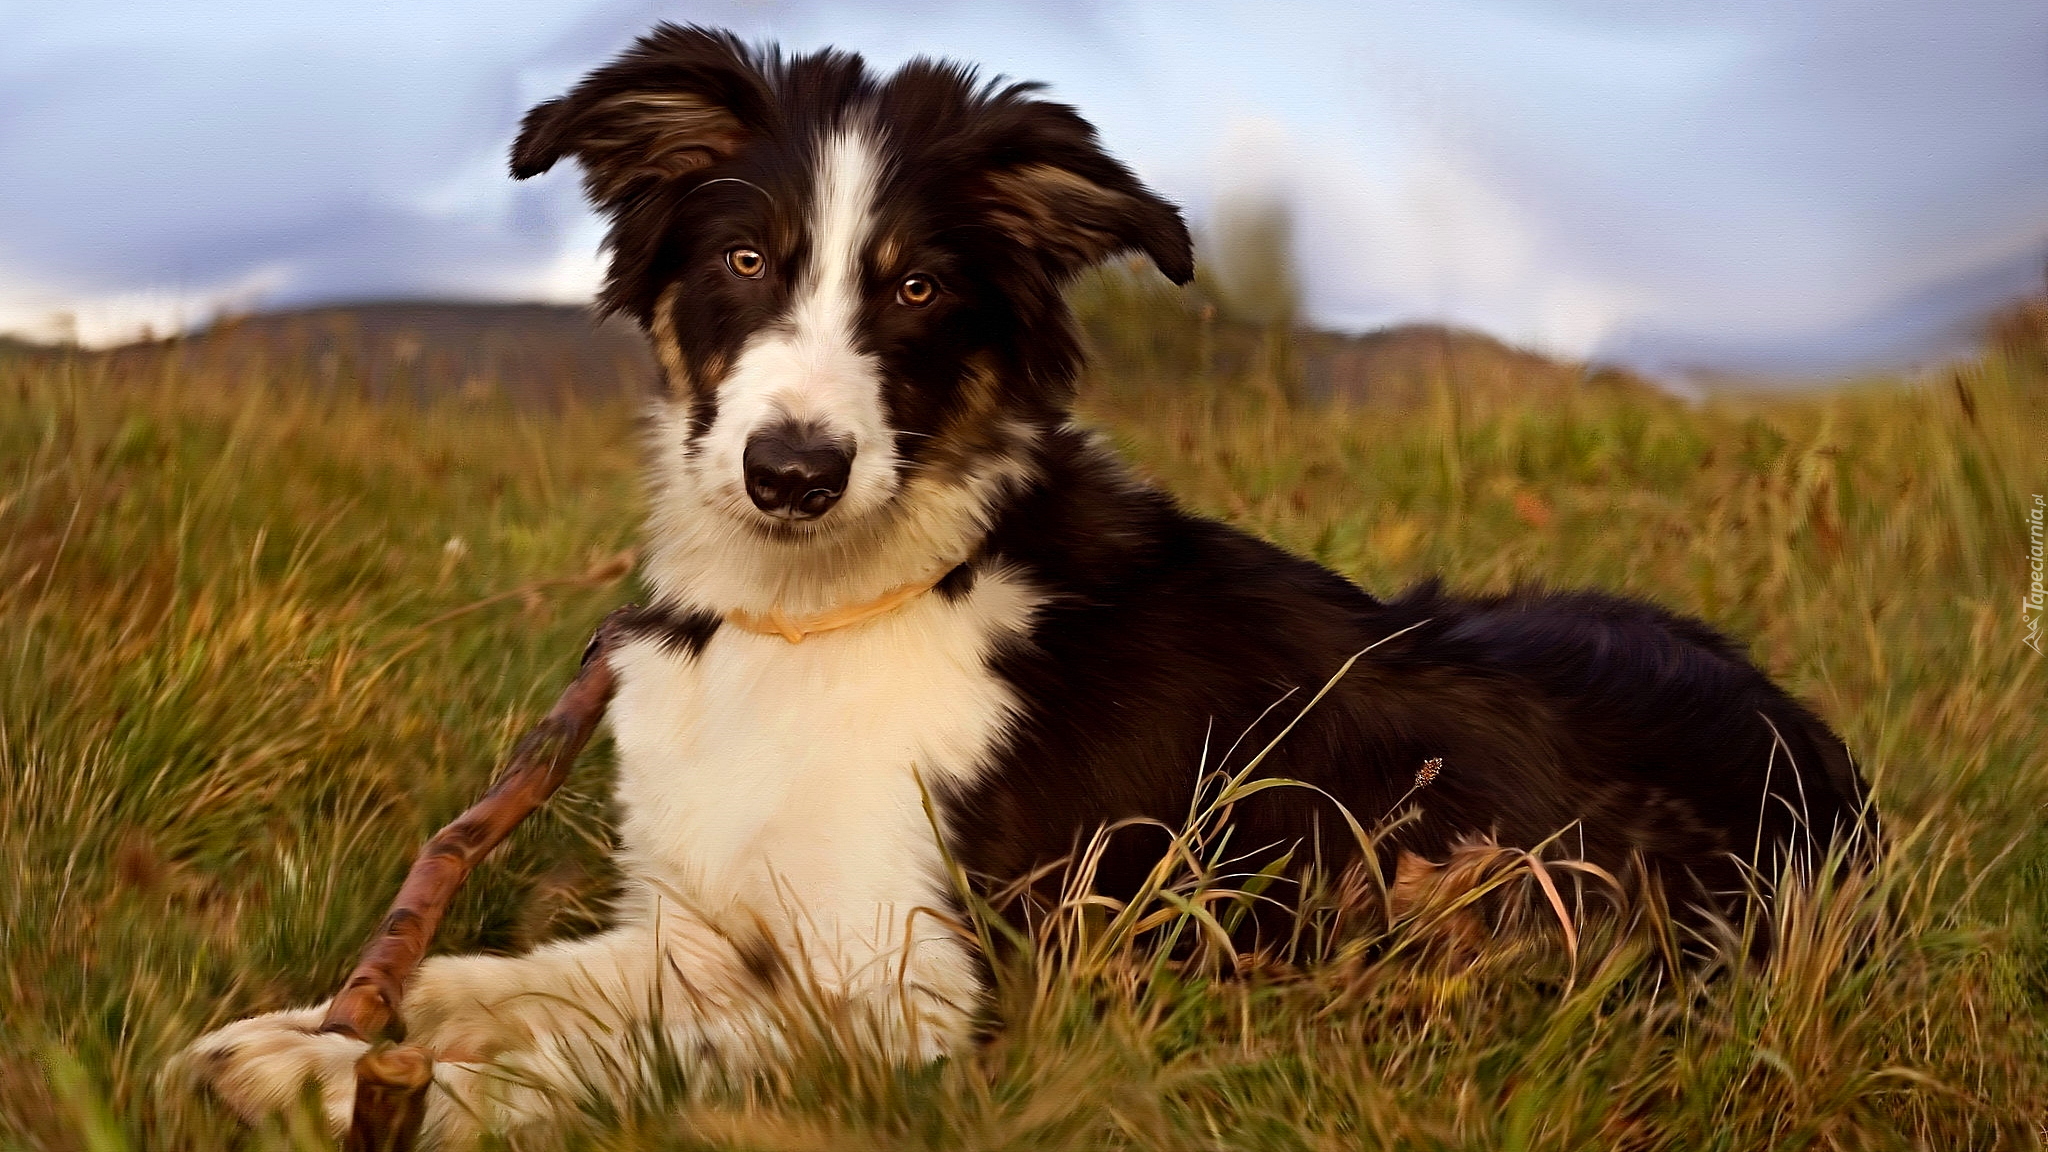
column 256, row 642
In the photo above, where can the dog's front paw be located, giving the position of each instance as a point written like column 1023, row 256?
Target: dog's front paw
column 259, row 1066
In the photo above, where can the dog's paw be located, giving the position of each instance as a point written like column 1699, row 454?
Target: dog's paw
column 259, row 1067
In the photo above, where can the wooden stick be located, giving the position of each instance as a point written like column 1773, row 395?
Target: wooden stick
column 391, row 1099
column 391, row 1083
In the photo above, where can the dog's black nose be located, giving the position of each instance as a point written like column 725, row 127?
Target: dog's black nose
column 796, row 473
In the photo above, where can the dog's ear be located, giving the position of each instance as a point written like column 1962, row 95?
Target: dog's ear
column 1054, row 190
column 681, row 99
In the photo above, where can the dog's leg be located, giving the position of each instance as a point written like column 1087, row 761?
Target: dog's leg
column 521, row 1038
column 516, row 1038
column 260, row 1065
column 470, row 1011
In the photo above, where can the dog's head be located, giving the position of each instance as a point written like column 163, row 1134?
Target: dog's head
column 851, row 281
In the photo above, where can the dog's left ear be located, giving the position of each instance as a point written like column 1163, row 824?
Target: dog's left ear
column 679, row 101
column 1052, row 189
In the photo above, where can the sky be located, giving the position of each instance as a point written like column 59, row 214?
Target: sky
column 1789, row 187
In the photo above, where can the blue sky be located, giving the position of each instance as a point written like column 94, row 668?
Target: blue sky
column 1798, row 186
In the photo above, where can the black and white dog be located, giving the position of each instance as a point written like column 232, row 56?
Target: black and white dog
column 886, row 565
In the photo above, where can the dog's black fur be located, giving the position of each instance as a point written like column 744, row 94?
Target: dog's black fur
column 1638, row 733
column 1647, row 737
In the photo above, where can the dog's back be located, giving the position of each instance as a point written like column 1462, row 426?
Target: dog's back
column 1609, row 726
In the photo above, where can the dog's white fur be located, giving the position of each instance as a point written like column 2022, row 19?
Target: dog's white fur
column 769, row 793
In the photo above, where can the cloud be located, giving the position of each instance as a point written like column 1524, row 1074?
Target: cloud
column 1750, row 183
column 1762, row 185
column 75, row 314
column 1422, row 239
column 1817, row 166
column 177, row 151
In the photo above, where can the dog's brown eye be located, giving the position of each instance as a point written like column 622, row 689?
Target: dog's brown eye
column 746, row 262
column 916, row 291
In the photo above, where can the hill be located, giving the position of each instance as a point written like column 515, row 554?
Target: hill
column 1405, row 367
column 540, row 352
column 422, row 349
column 1146, row 335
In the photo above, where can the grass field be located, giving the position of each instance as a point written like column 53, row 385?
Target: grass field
column 257, row 639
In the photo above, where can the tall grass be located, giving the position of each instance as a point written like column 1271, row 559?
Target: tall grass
column 258, row 638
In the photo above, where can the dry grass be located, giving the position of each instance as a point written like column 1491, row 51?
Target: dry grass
column 255, row 645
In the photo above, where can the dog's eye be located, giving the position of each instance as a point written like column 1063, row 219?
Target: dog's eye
column 746, row 262
column 916, row 291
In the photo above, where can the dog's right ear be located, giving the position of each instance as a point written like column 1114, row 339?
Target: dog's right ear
column 679, row 100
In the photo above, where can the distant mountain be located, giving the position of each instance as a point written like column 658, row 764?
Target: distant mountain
column 14, row 346
column 1405, row 366
column 1145, row 335
column 539, row 353
column 422, row 349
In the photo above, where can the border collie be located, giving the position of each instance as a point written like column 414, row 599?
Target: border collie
column 887, row 568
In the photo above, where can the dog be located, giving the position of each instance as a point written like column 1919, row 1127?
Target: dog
column 909, row 623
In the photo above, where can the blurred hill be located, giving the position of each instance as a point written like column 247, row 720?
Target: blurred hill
column 1236, row 329
column 1402, row 367
column 421, row 350
column 1143, row 335
column 2020, row 331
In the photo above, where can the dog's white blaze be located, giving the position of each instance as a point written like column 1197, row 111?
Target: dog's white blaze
column 887, row 531
column 810, row 367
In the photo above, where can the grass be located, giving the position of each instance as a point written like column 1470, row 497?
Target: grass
column 258, row 638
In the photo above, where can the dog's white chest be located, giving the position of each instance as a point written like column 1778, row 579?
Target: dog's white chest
column 777, row 779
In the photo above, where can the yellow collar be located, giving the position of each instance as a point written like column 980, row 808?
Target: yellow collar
column 795, row 628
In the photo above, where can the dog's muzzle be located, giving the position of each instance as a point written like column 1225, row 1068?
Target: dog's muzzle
column 796, row 473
